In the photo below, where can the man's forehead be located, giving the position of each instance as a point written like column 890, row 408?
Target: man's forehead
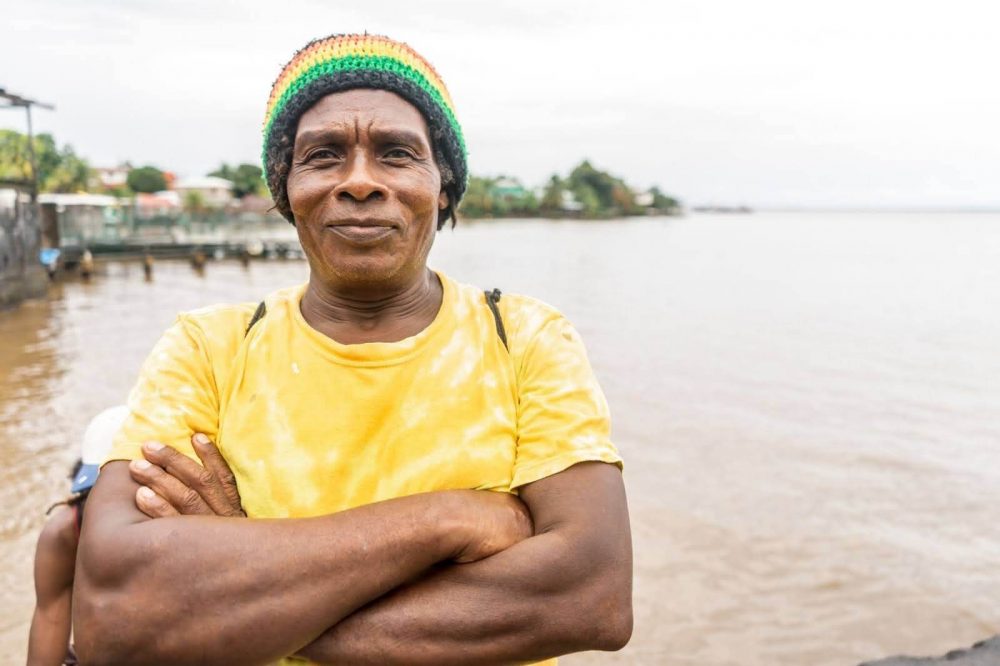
column 365, row 108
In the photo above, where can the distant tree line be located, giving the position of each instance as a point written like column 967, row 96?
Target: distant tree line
column 246, row 178
column 62, row 170
column 587, row 192
column 146, row 179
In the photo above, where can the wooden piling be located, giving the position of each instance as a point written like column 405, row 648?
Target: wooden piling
column 198, row 260
column 86, row 265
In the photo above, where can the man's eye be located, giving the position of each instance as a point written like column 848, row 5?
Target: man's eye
column 398, row 154
column 322, row 154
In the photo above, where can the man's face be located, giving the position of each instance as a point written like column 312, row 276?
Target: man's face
column 364, row 188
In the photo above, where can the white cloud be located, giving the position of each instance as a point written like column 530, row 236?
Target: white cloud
column 882, row 102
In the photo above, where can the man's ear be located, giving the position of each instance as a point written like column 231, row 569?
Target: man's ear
column 442, row 200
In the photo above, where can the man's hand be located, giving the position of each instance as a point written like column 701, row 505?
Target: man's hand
column 172, row 484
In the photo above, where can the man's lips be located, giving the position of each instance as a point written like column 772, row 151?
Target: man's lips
column 362, row 231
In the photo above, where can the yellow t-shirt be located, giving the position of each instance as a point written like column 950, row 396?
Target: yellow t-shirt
column 311, row 426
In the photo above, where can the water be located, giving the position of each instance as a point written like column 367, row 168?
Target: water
column 806, row 403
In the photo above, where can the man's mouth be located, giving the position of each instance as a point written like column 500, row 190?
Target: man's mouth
column 362, row 232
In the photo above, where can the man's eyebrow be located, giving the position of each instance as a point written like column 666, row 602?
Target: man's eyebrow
column 399, row 135
column 322, row 135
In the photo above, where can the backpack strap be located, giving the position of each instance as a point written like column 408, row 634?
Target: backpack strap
column 257, row 316
column 492, row 298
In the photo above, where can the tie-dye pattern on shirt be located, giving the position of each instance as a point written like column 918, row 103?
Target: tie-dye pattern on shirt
column 311, row 426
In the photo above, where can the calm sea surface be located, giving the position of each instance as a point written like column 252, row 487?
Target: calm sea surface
column 808, row 406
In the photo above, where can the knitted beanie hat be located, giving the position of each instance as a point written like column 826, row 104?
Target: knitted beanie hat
column 345, row 62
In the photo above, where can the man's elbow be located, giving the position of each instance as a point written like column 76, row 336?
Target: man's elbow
column 597, row 616
column 598, row 602
column 98, row 638
column 612, row 628
column 109, row 628
column 109, row 625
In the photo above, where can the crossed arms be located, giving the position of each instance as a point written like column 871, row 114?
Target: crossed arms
column 450, row 577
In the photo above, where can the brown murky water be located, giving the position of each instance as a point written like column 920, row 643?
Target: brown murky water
column 807, row 405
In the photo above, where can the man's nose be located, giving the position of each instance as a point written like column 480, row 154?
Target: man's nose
column 361, row 181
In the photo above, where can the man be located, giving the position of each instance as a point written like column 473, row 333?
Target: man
column 374, row 423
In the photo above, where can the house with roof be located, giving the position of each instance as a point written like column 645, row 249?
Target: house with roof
column 112, row 178
column 209, row 191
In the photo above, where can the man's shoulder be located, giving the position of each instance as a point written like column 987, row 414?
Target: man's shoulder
column 525, row 310
column 218, row 315
column 530, row 313
column 524, row 317
column 225, row 320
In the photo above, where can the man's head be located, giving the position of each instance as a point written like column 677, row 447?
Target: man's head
column 342, row 63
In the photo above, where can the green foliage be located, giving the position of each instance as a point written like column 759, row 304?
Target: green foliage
column 116, row 191
column 72, row 174
column 14, row 161
column 586, row 192
column 589, row 199
column 497, row 197
column 147, row 179
column 58, row 170
column 194, row 201
column 552, row 196
column 246, row 179
column 662, row 202
column 601, row 194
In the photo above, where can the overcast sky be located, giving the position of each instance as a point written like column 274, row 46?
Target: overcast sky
column 871, row 103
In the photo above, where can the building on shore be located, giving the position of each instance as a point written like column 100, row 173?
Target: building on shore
column 164, row 204
column 112, row 178
column 207, row 192
column 81, row 220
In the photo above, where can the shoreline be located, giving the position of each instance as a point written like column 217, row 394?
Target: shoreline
column 982, row 653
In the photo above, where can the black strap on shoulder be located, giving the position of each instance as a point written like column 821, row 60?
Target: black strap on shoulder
column 257, row 316
column 492, row 298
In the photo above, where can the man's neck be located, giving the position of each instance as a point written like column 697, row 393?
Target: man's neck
column 370, row 315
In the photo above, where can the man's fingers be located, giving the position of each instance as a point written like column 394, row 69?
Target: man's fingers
column 152, row 504
column 176, row 464
column 181, row 497
column 199, row 479
column 216, row 464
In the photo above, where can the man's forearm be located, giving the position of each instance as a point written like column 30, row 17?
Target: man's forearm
column 566, row 589
column 538, row 599
column 204, row 589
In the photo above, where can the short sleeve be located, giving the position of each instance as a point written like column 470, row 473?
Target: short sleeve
column 174, row 397
column 562, row 415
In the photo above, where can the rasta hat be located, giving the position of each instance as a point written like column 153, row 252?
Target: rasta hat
column 347, row 62
column 97, row 440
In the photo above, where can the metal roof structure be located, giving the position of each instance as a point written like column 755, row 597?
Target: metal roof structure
column 13, row 99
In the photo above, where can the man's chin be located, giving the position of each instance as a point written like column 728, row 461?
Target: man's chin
column 363, row 270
